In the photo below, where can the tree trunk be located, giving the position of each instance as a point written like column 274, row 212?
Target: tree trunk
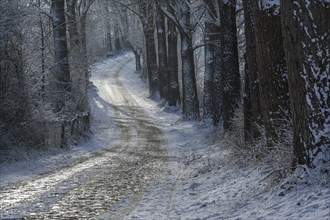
column 62, row 72
column 117, row 39
column 230, row 81
column 137, row 55
column 109, row 41
column 190, row 100
column 43, row 57
column 305, row 26
column 108, row 26
column 190, row 105
column 173, row 79
column 83, row 46
column 212, row 75
column 252, row 107
column 247, row 107
column 180, row 13
column 138, row 66
column 72, row 23
column 208, row 77
column 273, row 84
column 162, row 55
column 151, row 61
column 124, row 27
column 147, row 10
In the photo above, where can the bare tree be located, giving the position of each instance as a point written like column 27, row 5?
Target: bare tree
column 212, row 74
column 173, row 79
column 162, row 54
column 179, row 12
column 147, row 16
column 72, row 23
column 61, row 68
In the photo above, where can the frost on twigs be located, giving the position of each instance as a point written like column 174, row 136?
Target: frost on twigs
column 277, row 158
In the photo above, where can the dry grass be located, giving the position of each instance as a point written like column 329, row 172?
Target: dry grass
column 277, row 158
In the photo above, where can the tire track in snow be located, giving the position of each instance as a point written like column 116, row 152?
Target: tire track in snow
column 119, row 176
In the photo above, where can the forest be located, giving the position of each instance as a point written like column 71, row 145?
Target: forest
column 253, row 72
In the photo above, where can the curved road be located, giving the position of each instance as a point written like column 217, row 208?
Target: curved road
column 110, row 183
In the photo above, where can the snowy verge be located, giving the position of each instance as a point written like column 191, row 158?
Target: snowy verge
column 205, row 179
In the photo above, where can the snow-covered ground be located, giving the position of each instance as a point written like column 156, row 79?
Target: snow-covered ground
column 204, row 179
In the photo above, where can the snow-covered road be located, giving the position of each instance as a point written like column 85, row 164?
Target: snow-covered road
column 117, row 174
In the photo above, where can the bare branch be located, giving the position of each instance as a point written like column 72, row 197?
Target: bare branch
column 129, row 8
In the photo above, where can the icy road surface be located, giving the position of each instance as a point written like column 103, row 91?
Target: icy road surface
column 117, row 175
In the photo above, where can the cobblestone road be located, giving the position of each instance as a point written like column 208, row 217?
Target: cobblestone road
column 107, row 185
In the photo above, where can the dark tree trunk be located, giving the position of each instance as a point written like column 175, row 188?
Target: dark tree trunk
column 109, row 41
column 247, row 108
column 72, row 23
column 208, row 78
column 75, row 54
column 173, row 80
column 306, row 39
column 138, row 66
column 108, row 25
column 137, row 55
column 76, row 19
column 117, row 39
column 147, row 10
column 124, row 28
column 83, row 46
column 230, row 80
column 182, row 13
column 162, row 55
column 212, row 85
column 43, row 56
column 151, row 61
column 61, row 68
column 273, row 84
column 252, row 107
column 118, row 32
column 190, row 105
